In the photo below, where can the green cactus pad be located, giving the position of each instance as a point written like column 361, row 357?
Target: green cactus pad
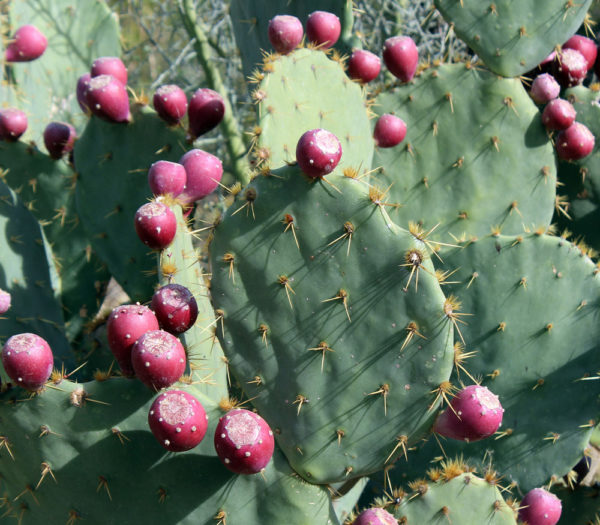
column 317, row 301
column 306, row 90
column 112, row 161
column 77, row 33
column 580, row 506
column 475, row 156
column 99, row 462
column 513, row 37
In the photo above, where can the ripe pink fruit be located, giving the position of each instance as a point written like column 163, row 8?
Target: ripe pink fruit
column 107, row 98
column 401, row 57
column 125, row 325
column 4, row 301
column 318, row 152
column 83, row 83
column 558, row 114
column 285, row 33
column 27, row 359
column 203, row 171
column 158, row 359
column 177, row 420
column 110, row 66
column 575, row 142
column 363, row 65
column 540, row 507
column 244, row 441
column 170, row 102
column 155, row 225
column 544, row 89
column 59, row 138
column 27, row 44
column 570, row 68
column 323, row 29
column 166, row 177
column 390, row 130
column 475, row 413
column 175, row 308
column 375, row 516
column 205, row 111
column 13, row 123
column 586, row 46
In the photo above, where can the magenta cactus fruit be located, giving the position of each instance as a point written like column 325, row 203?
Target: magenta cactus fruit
column 205, row 112
column 110, row 66
column 125, row 325
column 540, row 507
column 158, row 359
column 318, row 152
column 83, row 83
column 401, row 57
column 575, row 142
column 203, row 172
column 244, row 441
column 363, row 65
column 177, row 420
column 389, row 131
column 544, row 89
column 175, row 308
column 107, row 99
column 13, row 123
column 375, row 516
column 27, row 359
column 170, row 102
column 475, row 413
column 5, row 299
column 558, row 114
column 323, row 29
column 586, row 46
column 570, row 68
column 285, row 33
column 166, row 177
column 27, row 44
column 59, row 138
column 155, row 225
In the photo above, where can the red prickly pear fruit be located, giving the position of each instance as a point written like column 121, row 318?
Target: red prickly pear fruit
column 285, row 33
column 390, row 131
column 323, row 29
column 13, row 123
column 166, row 177
column 4, row 301
column 203, row 172
column 170, row 102
column 175, row 308
column 318, row 152
column 28, row 44
column 110, row 66
column 125, row 325
column 83, row 84
column 375, row 516
column 575, row 142
column 401, row 57
column 158, row 359
column 205, row 111
column 244, row 441
column 540, row 507
column 363, row 65
column 558, row 114
column 155, row 224
column 586, row 46
column 27, row 359
column 59, row 138
column 107, row 99
column 177, row 420
column 570, row 68
column 475, row 413
column 544, row 89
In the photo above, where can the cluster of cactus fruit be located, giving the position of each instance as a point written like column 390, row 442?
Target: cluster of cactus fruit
column 384, row 297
